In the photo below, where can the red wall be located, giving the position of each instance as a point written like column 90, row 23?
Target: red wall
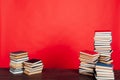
column 116, row 33
column 0, row 30
column 119, row 22
column 55, row 31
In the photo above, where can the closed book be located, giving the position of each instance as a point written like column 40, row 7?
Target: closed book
column 18, row 53
column 32, row 61
column 18, row 72
column 100, row 65
column 31, row 73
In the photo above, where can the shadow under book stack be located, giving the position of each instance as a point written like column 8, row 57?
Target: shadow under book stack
column 102, row 45
column 16, row 61
column 88, row 61
column 33, row 66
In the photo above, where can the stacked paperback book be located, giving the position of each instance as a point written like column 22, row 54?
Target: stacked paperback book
column 88, row 60
column 33, row 66
column 103, row 47
column 16, row 61
column 104, row 71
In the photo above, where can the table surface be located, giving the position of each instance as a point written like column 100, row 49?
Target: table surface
column 50, row 74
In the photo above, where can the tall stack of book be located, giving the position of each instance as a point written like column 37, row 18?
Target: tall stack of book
column 104, row 71
column 88, row 60
column 103, row 47
column 102, row 43
column 33, row 66
column 16, row 61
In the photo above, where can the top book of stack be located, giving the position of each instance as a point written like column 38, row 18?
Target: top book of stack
column 88, row 56
column 103, row 36
column 18, row 53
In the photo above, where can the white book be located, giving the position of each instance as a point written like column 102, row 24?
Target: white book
column 103, row 39
column 22, row 59
column 103, row 32
column 107, row 55
column 82, row 71
column 18, row 72
column 82, row 64
column 105, row 78
column 103, row 42
column 103, row 46
column 103, row 51
column 101, row 71
column 103, row 36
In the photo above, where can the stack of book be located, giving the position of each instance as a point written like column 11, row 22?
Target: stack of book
column 33, row 66
column 104, row 71
column 103, row 47
column 16, row 61
column 102, row 43
column 88, row 60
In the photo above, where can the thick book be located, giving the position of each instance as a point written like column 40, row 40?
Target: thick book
column 88, row 56
column 34, row 65
column 104, row 66
column 18, row 53
column 88, row 65
column 18, row 57
column 18, row 72
column 31, row 73
column 33, row 61
column 20, row 60
column 103, row 32
column 87, row 53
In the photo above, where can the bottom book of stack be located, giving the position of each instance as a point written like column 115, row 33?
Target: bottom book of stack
column 104, row 71
column 33, row 66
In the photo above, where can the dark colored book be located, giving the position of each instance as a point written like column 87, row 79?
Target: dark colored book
column 103, row 65
column 17, row 53
column 33, row 61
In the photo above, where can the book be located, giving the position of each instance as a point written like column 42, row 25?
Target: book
column 19, row 72
column 29, row 73
column 18, row 57
column 102, row 65
column 33, row 61
column 89, row 54
column 18, row 53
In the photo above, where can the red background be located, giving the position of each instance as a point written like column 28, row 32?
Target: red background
column 56, row 30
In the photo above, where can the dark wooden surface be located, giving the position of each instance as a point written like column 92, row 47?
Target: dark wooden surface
column 49, row 74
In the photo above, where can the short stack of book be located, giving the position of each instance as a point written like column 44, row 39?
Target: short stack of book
column 104, row 71
column 88, row 60
column 102, row 43
column 33, row 66
column 16, row 61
